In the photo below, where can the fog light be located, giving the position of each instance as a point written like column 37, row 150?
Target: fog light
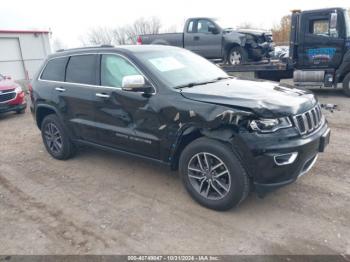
column 285, row 159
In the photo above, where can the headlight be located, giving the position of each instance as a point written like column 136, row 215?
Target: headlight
column 270, row 125
column 18, row 89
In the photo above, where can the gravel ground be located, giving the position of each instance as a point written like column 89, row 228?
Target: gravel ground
column 103, row 203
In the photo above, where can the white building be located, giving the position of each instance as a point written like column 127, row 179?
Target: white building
column 22, row 52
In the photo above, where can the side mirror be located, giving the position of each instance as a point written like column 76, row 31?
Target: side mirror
column 333, row 22
column 333, row 25
column 135, row 83
column 213, row 30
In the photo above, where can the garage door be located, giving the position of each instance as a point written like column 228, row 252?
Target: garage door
column 10, row 58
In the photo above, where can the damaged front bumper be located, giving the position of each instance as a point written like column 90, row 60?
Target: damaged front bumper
column 278, row 162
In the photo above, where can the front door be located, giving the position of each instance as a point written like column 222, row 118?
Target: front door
column 322, row 40
column 119, row 114
column 202, row 40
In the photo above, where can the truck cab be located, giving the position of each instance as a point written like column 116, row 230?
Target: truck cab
column 320, row 46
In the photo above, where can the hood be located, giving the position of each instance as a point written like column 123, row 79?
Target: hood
column 265, row 99
column 256, row 32
column 7, row 84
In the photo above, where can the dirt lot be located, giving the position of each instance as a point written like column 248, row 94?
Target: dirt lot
column 102, row 203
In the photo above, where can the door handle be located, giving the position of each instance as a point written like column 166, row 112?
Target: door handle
column 60, row 89
column 102, row 95
column 196, row 38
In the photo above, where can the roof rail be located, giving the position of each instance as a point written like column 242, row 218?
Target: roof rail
column 84, row 47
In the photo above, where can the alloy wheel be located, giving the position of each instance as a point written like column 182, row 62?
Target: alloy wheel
column 235, row 58
column 53, row 138
column 209, row 176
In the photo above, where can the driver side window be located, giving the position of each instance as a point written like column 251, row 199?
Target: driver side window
column 321, row 27
column 114, row 68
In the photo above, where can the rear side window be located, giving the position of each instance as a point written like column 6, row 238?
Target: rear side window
column 190, row 27
column 55, row 69
column 82, row 69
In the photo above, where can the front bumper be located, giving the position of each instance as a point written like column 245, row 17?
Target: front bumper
column 267, row 174
column 4, row 108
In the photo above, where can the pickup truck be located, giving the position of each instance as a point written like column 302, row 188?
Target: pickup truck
column 210, row 39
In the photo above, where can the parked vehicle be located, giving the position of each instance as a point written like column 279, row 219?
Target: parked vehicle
column 12, row 97
column 226, row 136
column 319, row 51
column 210, row 39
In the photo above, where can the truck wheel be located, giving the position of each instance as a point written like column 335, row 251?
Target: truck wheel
column 237, row 55
column 56, row 139
column 346, row 85
column 213, row 175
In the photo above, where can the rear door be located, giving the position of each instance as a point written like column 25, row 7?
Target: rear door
column 322, row 41
column 75, row 96
column 201, row 40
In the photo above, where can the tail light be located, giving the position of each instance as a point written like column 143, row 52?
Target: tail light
column 139, row 40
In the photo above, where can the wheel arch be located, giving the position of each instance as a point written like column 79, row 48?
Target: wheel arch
column 42, row 111
column 191, row 133
column 229, row 46
column 344, row 68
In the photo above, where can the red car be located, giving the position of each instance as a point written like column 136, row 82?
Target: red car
column 12, row 97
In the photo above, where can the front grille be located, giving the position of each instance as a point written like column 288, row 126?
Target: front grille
column 308, row 121
column 4, row 97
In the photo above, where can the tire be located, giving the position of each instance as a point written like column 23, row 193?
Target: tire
column 20, row 111
column 227, row 190
column 237, row 55
column 346, row 85
column 61, row 148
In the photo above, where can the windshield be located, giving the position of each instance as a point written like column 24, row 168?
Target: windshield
column 347, row 23
column 179, row 67
column 223, row 23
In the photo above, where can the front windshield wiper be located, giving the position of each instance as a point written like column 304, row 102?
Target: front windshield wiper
column 192, row 84
column 222, row 78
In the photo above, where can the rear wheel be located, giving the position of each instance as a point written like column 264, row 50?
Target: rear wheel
column 213, row 175
column 56, row 139
column 237, row 55
column 346, row 85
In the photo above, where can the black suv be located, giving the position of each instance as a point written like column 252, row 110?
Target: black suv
column 225, row 135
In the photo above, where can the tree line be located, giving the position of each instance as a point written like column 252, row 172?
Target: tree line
column 128, row 34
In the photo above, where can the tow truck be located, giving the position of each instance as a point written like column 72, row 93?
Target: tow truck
column 319, row 51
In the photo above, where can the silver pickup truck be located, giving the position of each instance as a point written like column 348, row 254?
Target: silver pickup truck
column 210, row 39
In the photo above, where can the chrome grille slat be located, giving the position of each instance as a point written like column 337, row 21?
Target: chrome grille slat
column 313, row 116
column 7, row 96
column 309, row 121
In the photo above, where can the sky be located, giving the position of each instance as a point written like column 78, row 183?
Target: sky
column 70, row 20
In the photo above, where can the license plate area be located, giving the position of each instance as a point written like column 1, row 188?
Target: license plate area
column 324, row 141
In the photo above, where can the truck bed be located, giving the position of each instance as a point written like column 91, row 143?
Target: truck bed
column 265, row 65
column 274, row 70
column 174, row 39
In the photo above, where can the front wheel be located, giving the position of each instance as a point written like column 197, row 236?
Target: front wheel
column 346, row 85
column 237, row 55
column 213, row 175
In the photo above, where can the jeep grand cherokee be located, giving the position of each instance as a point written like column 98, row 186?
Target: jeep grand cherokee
column 226, row 136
